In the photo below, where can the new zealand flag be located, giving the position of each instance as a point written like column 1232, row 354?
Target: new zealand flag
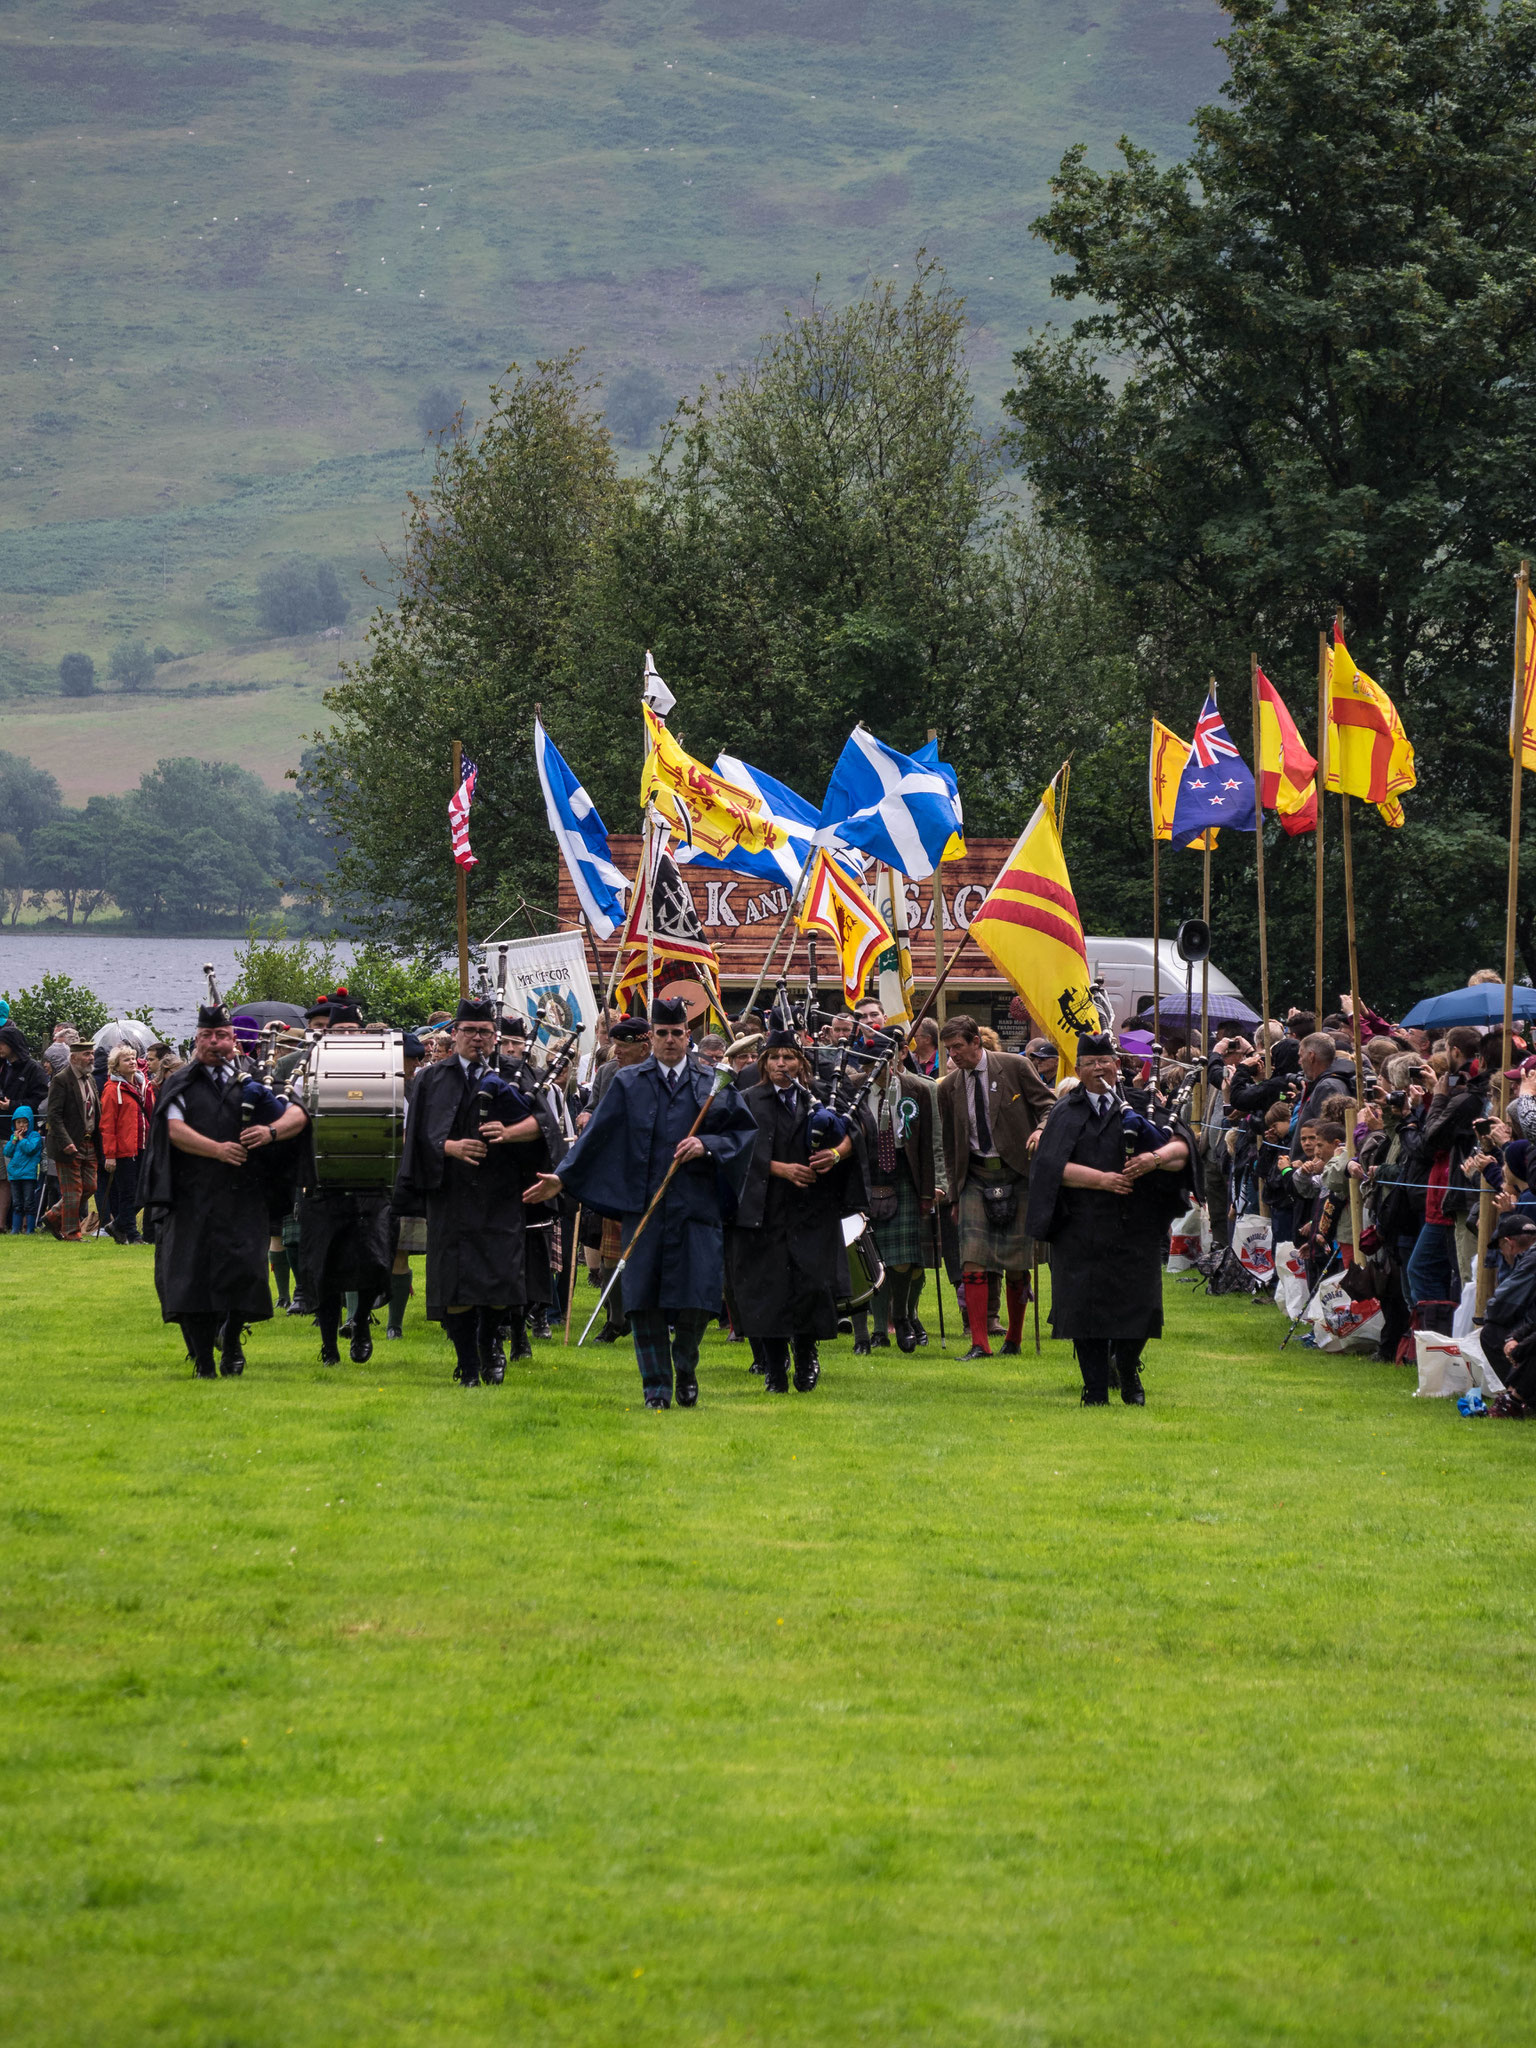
column 1215, row 788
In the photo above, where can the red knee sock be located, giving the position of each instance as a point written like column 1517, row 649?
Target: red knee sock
column 1018, row 1296
column 976, row 1306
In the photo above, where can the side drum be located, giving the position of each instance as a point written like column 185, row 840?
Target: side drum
column 354, row 1091
column 866, row 1268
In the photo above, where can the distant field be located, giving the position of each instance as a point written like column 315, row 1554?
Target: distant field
column 241, row 243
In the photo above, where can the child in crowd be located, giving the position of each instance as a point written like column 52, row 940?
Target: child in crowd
column 1320, row 1179
column 23, row 1166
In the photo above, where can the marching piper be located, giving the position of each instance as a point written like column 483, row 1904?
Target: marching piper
column 653, row 1114
column 1105, row 1185
column 344, row 1235
column 207, row 1198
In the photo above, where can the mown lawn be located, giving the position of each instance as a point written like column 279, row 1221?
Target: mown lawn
column 350, row 1706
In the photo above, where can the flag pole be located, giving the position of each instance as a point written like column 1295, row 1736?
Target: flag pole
column 938, row 933
column 462, row 889
column 1205, row 964
column 1322, row 776
column 1517, row 722
column 650, row 921
column 1354, row 994
column 1258, row 842
column 1157, row 985
column 795, row 895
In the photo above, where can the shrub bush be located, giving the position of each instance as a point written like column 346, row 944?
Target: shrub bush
column 77, row 675
column 132, row 665
column 56, row 1000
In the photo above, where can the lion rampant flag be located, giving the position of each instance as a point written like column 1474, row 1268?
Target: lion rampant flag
column 834, row 906
column 1029, row 927
column 1522, row 712
column 1287, row 772
column 1169, row 753
column 711, row 814
column 1368, row 752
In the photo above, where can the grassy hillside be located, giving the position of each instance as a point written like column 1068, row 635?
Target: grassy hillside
column 240, row 243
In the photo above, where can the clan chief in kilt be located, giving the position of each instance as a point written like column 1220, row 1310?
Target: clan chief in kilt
column 991, row 1107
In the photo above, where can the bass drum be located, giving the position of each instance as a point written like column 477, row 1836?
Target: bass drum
column 354, row 1092
column 866, row 1269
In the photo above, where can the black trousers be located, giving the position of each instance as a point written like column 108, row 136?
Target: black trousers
column 1093, row 1355
column 776, row 1356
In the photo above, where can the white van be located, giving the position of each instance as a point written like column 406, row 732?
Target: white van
column 1125, row 968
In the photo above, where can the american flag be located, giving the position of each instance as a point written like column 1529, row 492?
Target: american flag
column 458, row 816
column 1212, row 742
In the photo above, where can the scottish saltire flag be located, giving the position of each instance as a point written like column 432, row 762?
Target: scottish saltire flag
column 583, row 838
column 458, row 814
column 1215, row 788
column 892, row 806
column 927, row 756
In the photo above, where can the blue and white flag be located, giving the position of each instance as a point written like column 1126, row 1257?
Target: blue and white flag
column 583, row 838
column 1216, row 787
column 793, row 816
column 899, row 808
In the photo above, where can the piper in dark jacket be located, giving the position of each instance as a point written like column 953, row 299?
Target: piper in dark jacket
column 208, row 1201
column 467, row 1171
column 784, row 1251
column 344, row 1236
column 1105, row 1184
column 674, row 1282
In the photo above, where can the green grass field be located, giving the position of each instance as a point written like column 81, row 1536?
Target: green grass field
column 350, row 1706
column 242, row 241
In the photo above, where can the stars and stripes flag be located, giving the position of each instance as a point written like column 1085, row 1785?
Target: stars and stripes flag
column 458, row 815
column 1215, row 787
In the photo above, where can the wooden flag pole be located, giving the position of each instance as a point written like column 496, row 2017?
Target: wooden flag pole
column 1258, row 844
column 1354, row 1019
column 1157, row 954
column 650, row 921
column 463, row 890
column 575, row 1261
column 1322, row 773
column 942, row 1006
column 1205, row 964
column 1517, row 722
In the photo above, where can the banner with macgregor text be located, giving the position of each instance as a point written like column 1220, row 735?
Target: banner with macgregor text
column 547, row 980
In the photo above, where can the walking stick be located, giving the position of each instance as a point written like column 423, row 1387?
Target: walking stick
column 938, row 1275
column 723, row 1079
column 1034, row 1288
column 572, row 1258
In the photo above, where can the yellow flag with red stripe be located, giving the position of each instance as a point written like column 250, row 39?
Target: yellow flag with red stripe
column 1522, row 716
column 1029, row 928
column 1369, row 754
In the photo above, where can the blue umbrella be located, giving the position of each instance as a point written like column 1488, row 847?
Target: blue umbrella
column 1483, row 1005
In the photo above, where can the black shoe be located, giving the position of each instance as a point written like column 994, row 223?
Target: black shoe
column 906, row 1336
column 346, row 1328
column 206, row 1372
column 1012, row 1350
column 361, row 1347
column 391, row 1331
column 329, row 1357
column 920, row 1333
column 593, row 1280
column 282, row 1299
column 657, row 1401
column 776, row 1383
column 757, row 1366
column 467, row 1376
column 232, row 1358
column 976, row 1351
column 879, row 1342
column 861, row 1350
column 606, row 1335
column 493, row 1369
column 804, row 1381
column 539, row 1327
column 735, row 1337
column 1095, row 1400
column 1132, row 1392
column 298, row 1306
column 687, row 1394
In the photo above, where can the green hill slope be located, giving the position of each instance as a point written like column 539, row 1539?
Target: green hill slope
column 240, row 244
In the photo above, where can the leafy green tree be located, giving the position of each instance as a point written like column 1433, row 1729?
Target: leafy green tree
column 56, row 1000
column 196, row 842
column 300, row 596
column 392, row 989
column 273, row 968
column 132, row 665
column 77, row 675
column 494, row 557
column 13, row 876
column 71, row 859
column 437, row 412
column 29, row 796
column 1308, row 383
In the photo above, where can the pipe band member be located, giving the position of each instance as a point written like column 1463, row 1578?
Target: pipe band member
column 344, row 1236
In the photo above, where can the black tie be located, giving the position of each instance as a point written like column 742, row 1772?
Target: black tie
column 983, row 1123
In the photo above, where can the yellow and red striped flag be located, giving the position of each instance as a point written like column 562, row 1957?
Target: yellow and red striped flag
column 834, row 905
column 1369, row 754
column 1169, row 753
column 1287, row 772
column 1029, row 928
column 1522, row 710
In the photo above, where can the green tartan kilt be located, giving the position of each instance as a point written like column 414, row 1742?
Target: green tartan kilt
column 907, row 1240
column 995, row 1248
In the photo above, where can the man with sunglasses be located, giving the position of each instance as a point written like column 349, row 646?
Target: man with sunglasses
column 649, row 1117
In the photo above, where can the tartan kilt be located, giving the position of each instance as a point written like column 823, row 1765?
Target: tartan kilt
column 904, row 1241
column 413, row 1235
column 1006, row 1249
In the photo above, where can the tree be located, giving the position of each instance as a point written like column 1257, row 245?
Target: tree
column 13, row 877
column 71, row 858
column 132, row 665
column 437, row 412
column 495, row 554
column 56, row 1000
column 273, row 968
column 299, row 596
column 636, row 404
column 194, row 842
column 77, row 675
column 29, row 796
column 1324, row 394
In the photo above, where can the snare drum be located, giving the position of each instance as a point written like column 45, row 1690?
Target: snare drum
column 866, row 1269
column 354, row 1092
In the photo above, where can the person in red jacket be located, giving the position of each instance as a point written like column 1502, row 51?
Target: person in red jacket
column 126, row 1103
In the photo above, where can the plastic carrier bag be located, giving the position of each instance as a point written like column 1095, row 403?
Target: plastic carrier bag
column 1340, row 1323
column 1291, row 1272
column 1184, row 1242
column 1451, row 1366
column 1253, row 1241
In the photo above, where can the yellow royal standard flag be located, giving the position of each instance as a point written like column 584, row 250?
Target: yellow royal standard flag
column 1169, row 753
column 714, row 815
column 835, row 906
column 1029, row 927
column 1522, row 717
column 1368, row 752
